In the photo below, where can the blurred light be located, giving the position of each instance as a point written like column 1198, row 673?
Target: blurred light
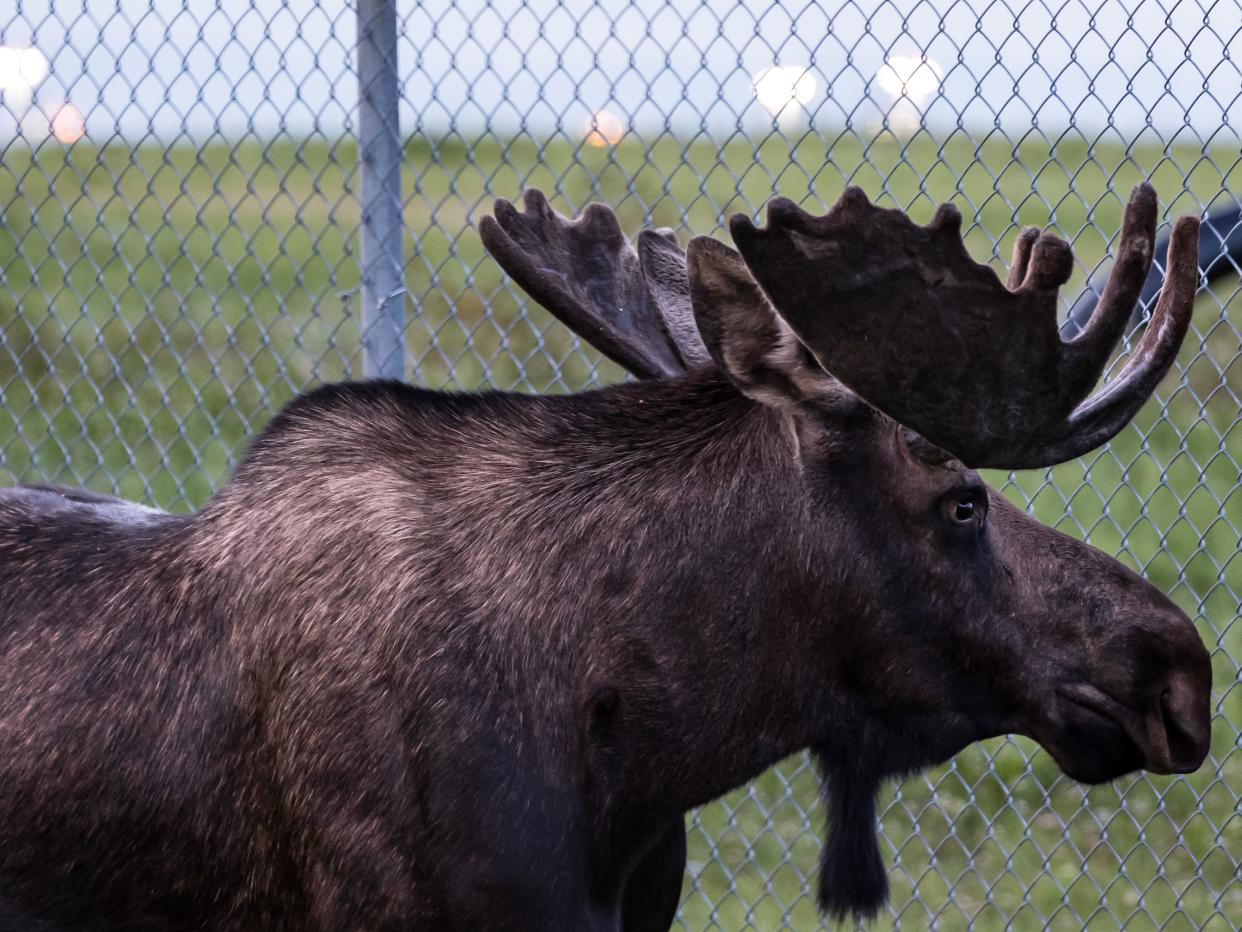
column 915, row 77
column 21, row 70
column 603, row 129
column 784, row 90
column 912, row 81
column 68, row 124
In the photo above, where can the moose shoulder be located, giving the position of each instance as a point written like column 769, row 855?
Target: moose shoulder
column 464, row 661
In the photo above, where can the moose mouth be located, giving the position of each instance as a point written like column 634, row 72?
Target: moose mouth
column 1096, row 741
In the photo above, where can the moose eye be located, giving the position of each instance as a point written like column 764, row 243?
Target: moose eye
column 966, row 508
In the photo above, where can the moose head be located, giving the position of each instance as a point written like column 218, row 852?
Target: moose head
column 939, row 613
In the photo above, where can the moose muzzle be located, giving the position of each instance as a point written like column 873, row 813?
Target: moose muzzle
column 1164, row 711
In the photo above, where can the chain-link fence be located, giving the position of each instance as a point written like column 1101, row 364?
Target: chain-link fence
column 179, row 255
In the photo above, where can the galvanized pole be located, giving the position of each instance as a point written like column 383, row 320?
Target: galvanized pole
column 379, row 160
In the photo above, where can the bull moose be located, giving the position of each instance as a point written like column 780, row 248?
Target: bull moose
column 464, row 661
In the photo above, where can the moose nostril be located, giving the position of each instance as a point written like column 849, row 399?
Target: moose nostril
column 1185, row 752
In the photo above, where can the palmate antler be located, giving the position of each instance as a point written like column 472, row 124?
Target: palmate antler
column 898, row 313
column 631, row 305
column 903, row 316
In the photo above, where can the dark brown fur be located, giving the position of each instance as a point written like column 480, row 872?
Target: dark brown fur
column 463, row 662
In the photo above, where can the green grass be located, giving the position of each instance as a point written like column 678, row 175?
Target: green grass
column 156, row 306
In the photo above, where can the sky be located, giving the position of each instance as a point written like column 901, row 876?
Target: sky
column 164, row 70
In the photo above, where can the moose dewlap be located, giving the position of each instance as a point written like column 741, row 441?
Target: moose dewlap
column 444, row 661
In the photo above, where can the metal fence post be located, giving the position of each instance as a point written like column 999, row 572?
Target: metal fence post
column 379, row 161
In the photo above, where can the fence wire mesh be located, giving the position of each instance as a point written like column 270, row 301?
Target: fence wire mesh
column 179, row 214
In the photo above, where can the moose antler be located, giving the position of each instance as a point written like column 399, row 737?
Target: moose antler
column 633, row 306
column 903, row 316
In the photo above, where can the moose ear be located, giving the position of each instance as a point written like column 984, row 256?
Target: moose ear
column 746, row 338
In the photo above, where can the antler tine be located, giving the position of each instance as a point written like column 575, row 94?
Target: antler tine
column 587, row 274
column 1021, row 256
column 902, row 315
column 1089, row 352
column 1102, row 416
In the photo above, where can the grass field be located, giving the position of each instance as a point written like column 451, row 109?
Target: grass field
column 156, row 306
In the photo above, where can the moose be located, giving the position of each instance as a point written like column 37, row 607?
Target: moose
column 464, row 661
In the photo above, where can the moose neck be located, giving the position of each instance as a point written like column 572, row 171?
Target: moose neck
column 704, row 587
column 737, row 637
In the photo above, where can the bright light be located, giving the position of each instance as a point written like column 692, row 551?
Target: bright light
column 68, row 125
column 912, row 81
column 21, row 70
column 603, row 129
column 785, row 90
column 914, row 77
